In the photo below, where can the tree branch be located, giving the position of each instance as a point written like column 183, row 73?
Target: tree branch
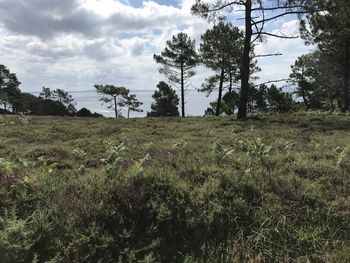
column 271, row 81
column 215, row 9
column 275, row 35
column 267, row 55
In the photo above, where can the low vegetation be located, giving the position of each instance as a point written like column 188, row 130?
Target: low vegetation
column 274, row 188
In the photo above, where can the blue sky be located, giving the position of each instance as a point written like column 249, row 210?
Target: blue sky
column 74, row 44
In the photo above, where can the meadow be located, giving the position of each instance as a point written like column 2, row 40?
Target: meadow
column 274, row 188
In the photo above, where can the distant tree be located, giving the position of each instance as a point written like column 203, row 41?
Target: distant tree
column 316, row 79
column 29, row 103
column 112, row 95
column 228, row 104
column 231, row 101
column 178, row 61
column 260, row 98
column 209, row 112
column 221, row 50
column 62, row 96
column 9, row 89
column 278, row 100
column 131, row 103
column 84, row 112
column 71, row 109
column 257, row 100
column 166, row 101
column 46, row 93
column 303, row 75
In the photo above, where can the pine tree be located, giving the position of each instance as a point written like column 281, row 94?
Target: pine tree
column 166, row 101
column 178, row 61
column 112, row 95
column 221, row 50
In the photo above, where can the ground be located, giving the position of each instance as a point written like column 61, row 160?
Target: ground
column 275, row 188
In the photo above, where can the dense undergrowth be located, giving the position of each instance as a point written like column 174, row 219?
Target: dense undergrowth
column 275, row 188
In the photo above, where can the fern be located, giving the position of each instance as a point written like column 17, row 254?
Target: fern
column 221, row 153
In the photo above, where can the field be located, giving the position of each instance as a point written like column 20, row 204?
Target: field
column 275, row 188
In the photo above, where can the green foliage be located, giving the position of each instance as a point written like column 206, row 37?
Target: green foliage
column 278, row 100
column 9, row 91
column 84, row 112
column 177, row 62
column 132, row 103
column 166, row 102
column 50, row 103
column 112, row 96
column 329, row 30
column 221, row 154
column 221, row 50
column 316, row 80
column 15, row 241
column 175, row 195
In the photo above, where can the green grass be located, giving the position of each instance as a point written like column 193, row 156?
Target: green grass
column 275, row 188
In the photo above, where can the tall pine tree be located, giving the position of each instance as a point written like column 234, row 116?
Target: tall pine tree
column 178, row 61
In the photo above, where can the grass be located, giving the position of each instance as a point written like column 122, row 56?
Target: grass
column 272, row 189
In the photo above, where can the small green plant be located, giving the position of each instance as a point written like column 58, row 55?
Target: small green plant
column 5, row 166
column 221, row 154
column 137, row 167
column 342, row 154
column 114, row 154
column 255, row 148
column 285, row 146
column 79, row 154
column 180, row 144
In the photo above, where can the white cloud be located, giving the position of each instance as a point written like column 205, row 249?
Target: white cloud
column 73, row 44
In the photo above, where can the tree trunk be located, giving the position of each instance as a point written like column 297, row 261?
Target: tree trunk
column 347, row 78
column 218, row 105
column 230, row 112
column 115, row 107
column 128, row 113
column 245, row 62
column 182, row 92
column 303, row 90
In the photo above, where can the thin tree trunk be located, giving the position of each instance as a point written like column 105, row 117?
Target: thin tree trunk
column 182, row 92
column 245, row 62
column 115, row 107
column 128, row 113
column 303, row 90
column 347, row 78
column 230, row 112
column 218, row 105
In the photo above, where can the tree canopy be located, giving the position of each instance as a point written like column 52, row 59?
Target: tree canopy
column 166, row 101
column 112, row 96
column 221, row 50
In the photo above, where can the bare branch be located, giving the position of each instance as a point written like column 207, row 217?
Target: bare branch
column 261, row 8
column 275, row 35
column 267, row 55
column 215, row 9
column 262, row 26
column 271, row 81
column 293, row 12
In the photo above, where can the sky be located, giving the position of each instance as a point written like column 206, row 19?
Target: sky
column 74, row 44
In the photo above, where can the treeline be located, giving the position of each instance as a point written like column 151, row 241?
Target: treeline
column 50, row 102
